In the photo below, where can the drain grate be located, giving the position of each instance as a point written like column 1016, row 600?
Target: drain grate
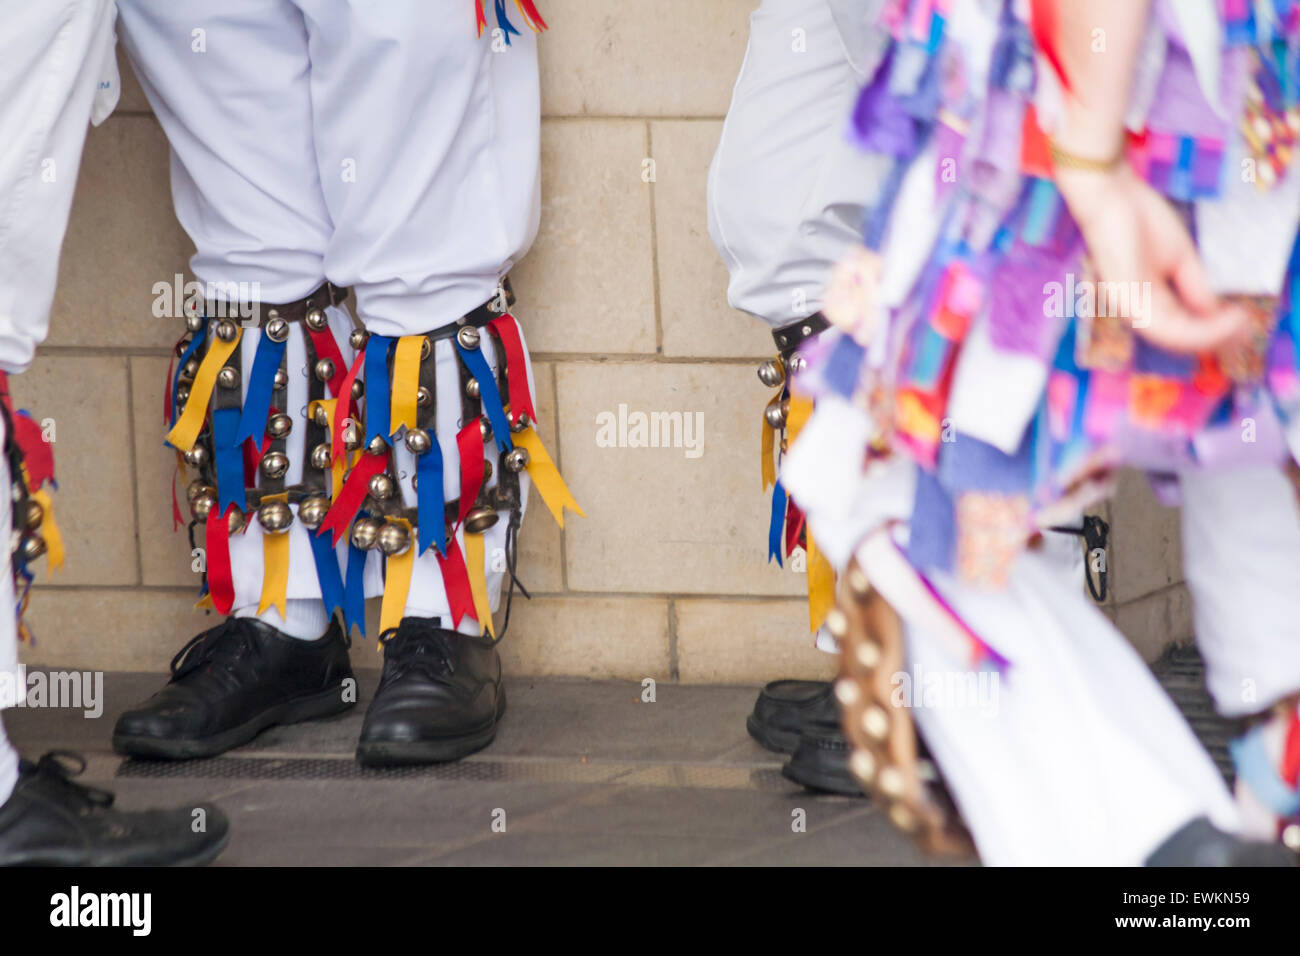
column 701, row 776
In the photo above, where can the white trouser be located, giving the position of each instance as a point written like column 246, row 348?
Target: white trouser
column 381, row 146
column 1084, row 759
column 54, row 56
column 786, row 188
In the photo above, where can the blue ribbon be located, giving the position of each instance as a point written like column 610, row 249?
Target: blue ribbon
column 777, row 526
column 261, row 381
column 230, row 464
column 1254, row 766
column 503, row 21
column 199, row 338
column 354, row 595
column 488, row 394
column 377, row 409
column 327, row 570
column 429, row 498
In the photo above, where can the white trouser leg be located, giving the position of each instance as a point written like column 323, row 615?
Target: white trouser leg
column 786, row 189
column 418, row 187
column 1241, row 559
column 1081, row 759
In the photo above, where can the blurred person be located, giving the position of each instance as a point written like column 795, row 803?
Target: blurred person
column 787, row 192
column 391, row 149
column 1080, row 259
column 54, row 58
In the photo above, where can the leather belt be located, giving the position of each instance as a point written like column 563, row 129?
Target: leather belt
column 790, row 337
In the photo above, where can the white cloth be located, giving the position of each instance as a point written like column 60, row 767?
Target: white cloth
column 54, row 57
column 786, row 189
column 381, row 146
column 303, row 618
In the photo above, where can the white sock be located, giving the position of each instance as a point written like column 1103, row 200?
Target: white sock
column 8, row 766
column 305, row 618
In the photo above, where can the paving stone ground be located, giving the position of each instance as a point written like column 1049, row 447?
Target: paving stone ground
column 583, row 772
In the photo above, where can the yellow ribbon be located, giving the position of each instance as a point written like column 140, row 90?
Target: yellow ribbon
column 204, row 603
column 821, row 584
column 275, row 565
column 54, row 550
column 767, row 461
column 406, row 381
column 800, row 411
column 188, row 426
column 338, row 466
column 545, row 476
column 476, row 565
column 397, row 582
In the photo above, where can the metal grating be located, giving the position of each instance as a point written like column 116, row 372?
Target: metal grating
column 1181, row 672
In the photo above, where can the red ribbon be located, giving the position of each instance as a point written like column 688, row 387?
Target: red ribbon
column 220, row 583
column 794, row 521
column 326, row 347
column 177, row 519
column 38, row 456
column 521, row 398
column 455, row 579
column 343, row 408
column 1042, row 23
column 354, row 492
column 470, row 444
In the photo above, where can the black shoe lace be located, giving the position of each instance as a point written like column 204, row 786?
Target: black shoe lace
column 226, row 645
column 60, row 766
column 413, row 646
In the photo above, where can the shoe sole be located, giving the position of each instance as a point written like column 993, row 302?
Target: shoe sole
column 202, row 858
column 841, row 784
column 779, row 741
column 405, row 753
column 326, row 703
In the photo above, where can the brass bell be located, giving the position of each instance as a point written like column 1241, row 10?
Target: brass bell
column 382, row 486
column 275, row 516
column 196, row 488
column 423, row 397
column 182, row 394
column 236, row 521
column 358, row 388
column 517, row 459
column 194, row 322
column 277, row 330
column 479, row 520
column 351, row 436
column 320, row 456
column 772, row 373
column 227, row 331
column 357, row 338
column 426, row 349
column 472, row 388
column 320, row 414
column 325, row 370
column 365, row 533
column 316, row 320
column 468, row 337
column 279, row 425
column 485, row 428
column 797, row 363
column 202, row 506
column 35, row 514
column 228, row 377
column 197, row 456
column 377, row 445
column 190, row 369
column 418, row 441
column 487, row 470
column 311, row 511
column 281, row 379
column 520, row 424
column 775, row 414
column 275, row 464
column 394, row 539
column 33, row 547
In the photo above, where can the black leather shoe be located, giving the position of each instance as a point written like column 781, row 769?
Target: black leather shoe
column 1201, row 843
column 232, row 682
column 49, row 820
column 784, row 707
column 439, row 698
column 821, row 761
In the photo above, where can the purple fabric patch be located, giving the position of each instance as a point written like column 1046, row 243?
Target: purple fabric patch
column 881, row 122
column 933, row 539
column 968, row 464
column 1018, row 307
column 1149, row 359
column 1251, row 436
column 843, row 366
column 1179, row 106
